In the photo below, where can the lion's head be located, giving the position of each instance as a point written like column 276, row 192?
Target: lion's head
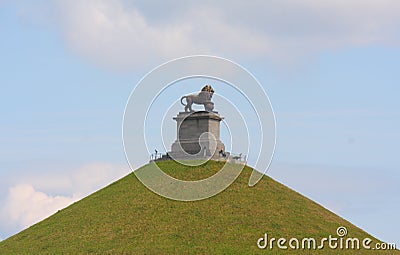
column 208, row 89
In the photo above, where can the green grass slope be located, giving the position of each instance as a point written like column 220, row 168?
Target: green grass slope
column 126, row 218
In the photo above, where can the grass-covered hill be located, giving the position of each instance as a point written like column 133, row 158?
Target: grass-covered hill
column 127, row 218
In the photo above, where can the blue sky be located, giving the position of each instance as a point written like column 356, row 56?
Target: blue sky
column 68, row 67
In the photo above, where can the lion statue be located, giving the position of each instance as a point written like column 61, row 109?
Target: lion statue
column 204, row 98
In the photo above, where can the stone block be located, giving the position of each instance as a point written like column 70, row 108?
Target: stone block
column 198, row 135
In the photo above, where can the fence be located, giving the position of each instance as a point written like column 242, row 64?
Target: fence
column 155, row 156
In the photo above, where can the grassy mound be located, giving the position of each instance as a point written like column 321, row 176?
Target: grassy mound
column 126, row 218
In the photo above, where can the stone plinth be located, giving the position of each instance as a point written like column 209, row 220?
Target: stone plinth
column 198, row 135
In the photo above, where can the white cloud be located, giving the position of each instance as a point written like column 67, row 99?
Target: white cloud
column 81, row 180
column 34, row 198
column 121, row 35
column 111, row 35
column 25, row 206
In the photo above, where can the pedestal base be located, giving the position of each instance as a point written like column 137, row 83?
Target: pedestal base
column 198, row 135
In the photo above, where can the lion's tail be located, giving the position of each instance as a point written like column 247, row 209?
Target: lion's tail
column 182, row 100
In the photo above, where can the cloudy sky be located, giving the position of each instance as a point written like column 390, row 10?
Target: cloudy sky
column 330, row 69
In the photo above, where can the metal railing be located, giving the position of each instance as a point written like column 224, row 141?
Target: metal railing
column 155, row 156
column 239, row 157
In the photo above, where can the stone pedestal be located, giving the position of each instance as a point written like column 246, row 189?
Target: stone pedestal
column 198, row 135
